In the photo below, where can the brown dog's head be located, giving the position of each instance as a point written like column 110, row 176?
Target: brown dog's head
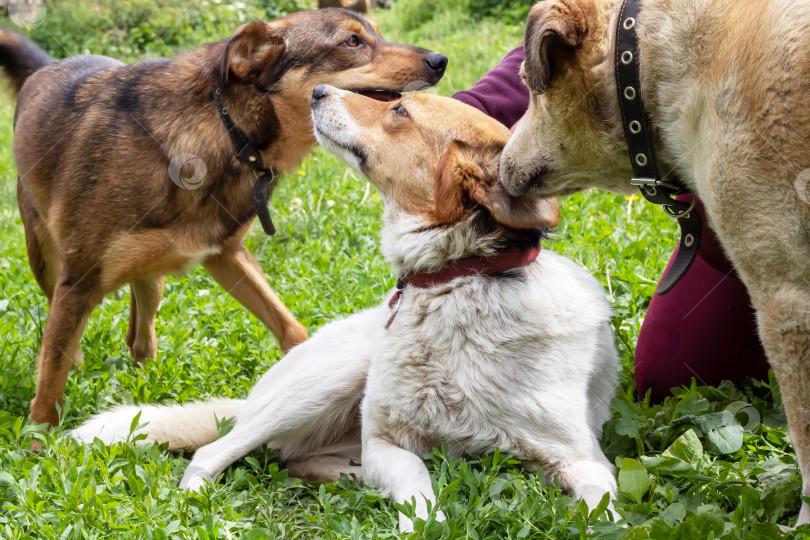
column 276, row 65
column 330, row 46
column 432, row 157
column 570, row 138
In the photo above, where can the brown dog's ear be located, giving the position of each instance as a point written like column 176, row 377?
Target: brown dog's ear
column 255, row 55
column 468, row 176
column 553, row 29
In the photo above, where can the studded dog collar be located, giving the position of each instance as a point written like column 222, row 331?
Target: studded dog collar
column 638, row 132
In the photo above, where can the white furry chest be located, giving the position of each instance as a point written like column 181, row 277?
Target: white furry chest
column 441, row 375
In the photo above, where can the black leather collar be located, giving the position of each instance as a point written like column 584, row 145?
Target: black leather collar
column 638, row 132
column 266, row 178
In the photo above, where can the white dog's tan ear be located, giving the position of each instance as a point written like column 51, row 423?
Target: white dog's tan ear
column 554, row 28
column 523, row 212
column 469, row 176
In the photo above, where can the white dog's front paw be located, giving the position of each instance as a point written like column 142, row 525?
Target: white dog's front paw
column 195, row 478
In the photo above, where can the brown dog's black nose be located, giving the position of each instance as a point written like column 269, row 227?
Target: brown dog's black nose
column 319, row 93
column 436, row 62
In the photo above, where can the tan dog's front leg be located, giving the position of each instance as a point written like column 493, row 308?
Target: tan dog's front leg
column 239, row 273
column 144, row 299
column 784, row 326
column 70, row 308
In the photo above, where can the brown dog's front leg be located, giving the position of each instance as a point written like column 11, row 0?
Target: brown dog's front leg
column 239, row 273
column 145, row 295
column 70, row 308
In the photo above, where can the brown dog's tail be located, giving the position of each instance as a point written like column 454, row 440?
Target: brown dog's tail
column 20, row 57
column 183, row 427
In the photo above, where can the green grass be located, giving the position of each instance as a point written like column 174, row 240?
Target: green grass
column 684, row 472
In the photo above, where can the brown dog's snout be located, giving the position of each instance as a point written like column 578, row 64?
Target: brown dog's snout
column 436, row 62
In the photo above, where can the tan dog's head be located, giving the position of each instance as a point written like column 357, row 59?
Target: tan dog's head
column 571, row 137
column 432, row 157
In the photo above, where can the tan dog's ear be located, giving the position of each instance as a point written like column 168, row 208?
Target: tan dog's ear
column 553, row 29
column 468, row 176
column 253, row 55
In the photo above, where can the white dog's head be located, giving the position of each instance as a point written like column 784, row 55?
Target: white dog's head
column 435, row 162
column 571, row 137
column 432, row 156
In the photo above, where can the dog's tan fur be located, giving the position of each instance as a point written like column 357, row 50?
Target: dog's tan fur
column 726, row 86
column 94, row 139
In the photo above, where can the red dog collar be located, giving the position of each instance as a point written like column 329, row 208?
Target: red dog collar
column 502, row 261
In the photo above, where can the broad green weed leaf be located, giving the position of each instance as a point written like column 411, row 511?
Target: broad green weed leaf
column 633, row 479
column 687, row 447
column 721, row 437
column 674, row 513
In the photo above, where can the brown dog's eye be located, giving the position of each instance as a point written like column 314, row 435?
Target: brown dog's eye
column 353, row 42
column 399, row 110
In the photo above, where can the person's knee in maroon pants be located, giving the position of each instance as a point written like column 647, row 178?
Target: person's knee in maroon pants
column 704, row 327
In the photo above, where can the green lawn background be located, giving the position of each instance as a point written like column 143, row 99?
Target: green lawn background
column 688, row 469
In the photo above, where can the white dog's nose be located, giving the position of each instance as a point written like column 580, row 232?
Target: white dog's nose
column 319, row 93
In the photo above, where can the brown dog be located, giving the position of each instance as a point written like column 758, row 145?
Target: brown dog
column 127, row 172
column 725, row 85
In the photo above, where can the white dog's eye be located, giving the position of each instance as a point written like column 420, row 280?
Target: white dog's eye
column 399, row 110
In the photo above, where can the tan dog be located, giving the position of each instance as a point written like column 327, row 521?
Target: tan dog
column 522, row 360
column 127, row 172
column 725, row 83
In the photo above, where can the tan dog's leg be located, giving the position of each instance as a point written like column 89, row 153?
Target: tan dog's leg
column 784, row 328
column 70, row 308
column 239, row 273
column 145, row 295
column 773, row 264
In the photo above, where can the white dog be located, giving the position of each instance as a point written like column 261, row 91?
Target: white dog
column 487, row 345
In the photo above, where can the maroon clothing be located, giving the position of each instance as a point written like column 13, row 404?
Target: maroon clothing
column 704, row 327
column 500, row 94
